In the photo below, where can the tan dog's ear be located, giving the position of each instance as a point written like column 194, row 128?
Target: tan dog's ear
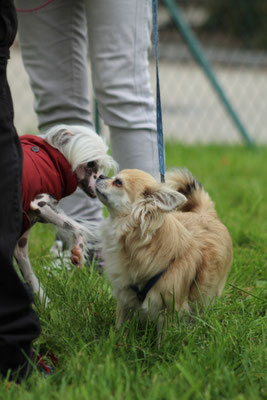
column 145, row 211
column 165, row 199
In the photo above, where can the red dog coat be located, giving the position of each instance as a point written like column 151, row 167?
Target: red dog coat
column 45, row 170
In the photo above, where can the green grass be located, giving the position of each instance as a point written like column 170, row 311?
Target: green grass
column 221, row 354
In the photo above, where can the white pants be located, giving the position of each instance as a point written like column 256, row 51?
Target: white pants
column 54, row 43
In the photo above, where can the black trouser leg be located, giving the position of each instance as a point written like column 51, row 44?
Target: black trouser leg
column 19, row 325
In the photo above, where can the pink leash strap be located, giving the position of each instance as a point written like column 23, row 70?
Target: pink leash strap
column 36, row 8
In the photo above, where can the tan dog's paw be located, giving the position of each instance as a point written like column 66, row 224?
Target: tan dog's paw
column 77, row 257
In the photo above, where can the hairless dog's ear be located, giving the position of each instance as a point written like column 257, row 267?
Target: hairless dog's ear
column 60, row 137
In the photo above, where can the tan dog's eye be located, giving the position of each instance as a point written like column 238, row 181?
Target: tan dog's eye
column 117, row 182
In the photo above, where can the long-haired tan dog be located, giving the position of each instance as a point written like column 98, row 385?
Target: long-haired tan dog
column 164, row 244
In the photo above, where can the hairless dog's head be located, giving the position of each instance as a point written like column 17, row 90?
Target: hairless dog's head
column 86, row 152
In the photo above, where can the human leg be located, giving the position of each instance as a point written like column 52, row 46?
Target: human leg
column 53, row 44
column 19, row 325
column 119, row 40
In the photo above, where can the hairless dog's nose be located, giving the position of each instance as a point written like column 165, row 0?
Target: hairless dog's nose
column 102, row 177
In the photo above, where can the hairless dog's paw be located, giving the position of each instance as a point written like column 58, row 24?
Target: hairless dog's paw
column 77, row 257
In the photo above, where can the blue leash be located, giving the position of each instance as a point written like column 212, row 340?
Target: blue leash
column 159, row 113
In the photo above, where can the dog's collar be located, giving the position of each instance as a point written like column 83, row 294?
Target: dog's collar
column 141, row 294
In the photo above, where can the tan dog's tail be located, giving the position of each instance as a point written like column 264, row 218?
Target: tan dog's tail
column 197, row 199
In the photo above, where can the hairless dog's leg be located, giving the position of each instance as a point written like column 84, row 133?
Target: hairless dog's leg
column 45, row 207
column 22, row 258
